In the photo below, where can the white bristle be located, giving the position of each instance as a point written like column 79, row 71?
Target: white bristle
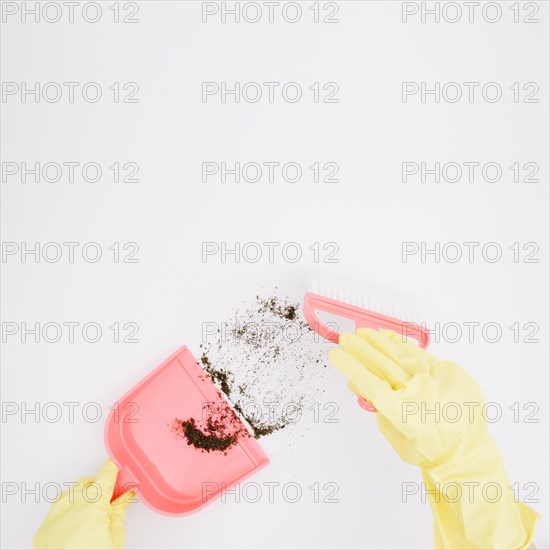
column 366, row 297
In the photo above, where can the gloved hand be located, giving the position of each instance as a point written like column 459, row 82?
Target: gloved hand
column 431, row 413
column 84, row 518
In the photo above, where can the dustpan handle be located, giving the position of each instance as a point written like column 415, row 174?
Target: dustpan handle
column 124, row 483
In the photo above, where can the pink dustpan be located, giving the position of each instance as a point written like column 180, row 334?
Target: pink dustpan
column 170, row 476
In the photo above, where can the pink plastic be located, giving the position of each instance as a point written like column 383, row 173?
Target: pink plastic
column 170, row 476
column 362, row 318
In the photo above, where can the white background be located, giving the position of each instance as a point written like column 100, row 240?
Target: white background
column 369, row 213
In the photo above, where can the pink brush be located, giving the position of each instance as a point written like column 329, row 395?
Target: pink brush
column 366, row 307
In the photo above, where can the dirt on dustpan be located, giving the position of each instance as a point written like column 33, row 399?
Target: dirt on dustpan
column 218, row 430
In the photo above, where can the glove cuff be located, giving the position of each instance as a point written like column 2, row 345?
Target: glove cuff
column 474, row 505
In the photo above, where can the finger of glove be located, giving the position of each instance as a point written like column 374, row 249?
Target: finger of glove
column 410, row 357
column 354, row 388
column 388, row 403
column 106, row 478
column 363, row 381
column 374, row 360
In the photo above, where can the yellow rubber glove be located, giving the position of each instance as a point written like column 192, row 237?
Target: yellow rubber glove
column 84, row 518
column 454, row 449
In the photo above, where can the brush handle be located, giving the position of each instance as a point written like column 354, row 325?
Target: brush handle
column 363, row 318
